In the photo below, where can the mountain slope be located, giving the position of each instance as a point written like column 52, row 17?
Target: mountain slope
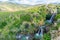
column 6, row 6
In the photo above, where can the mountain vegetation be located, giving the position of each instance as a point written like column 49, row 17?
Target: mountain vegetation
column 17, row 19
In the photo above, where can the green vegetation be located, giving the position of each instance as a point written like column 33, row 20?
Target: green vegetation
column 47, row 36
column 13, row 22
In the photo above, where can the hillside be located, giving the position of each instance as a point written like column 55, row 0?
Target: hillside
column 7, row 6
column 28, row 21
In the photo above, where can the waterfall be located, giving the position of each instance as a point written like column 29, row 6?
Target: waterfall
column 52, row 17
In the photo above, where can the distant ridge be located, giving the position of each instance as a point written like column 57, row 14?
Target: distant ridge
column 9, row 6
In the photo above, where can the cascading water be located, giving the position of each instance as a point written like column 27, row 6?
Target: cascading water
column 39, row 34
column 50, row 21
column 40, row 31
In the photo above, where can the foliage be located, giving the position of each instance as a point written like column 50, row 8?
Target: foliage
column 47, row 36
column 13, row 22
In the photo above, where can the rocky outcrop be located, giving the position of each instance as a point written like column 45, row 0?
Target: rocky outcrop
column 55, row 34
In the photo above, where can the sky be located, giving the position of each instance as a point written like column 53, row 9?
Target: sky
column 33, row 2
